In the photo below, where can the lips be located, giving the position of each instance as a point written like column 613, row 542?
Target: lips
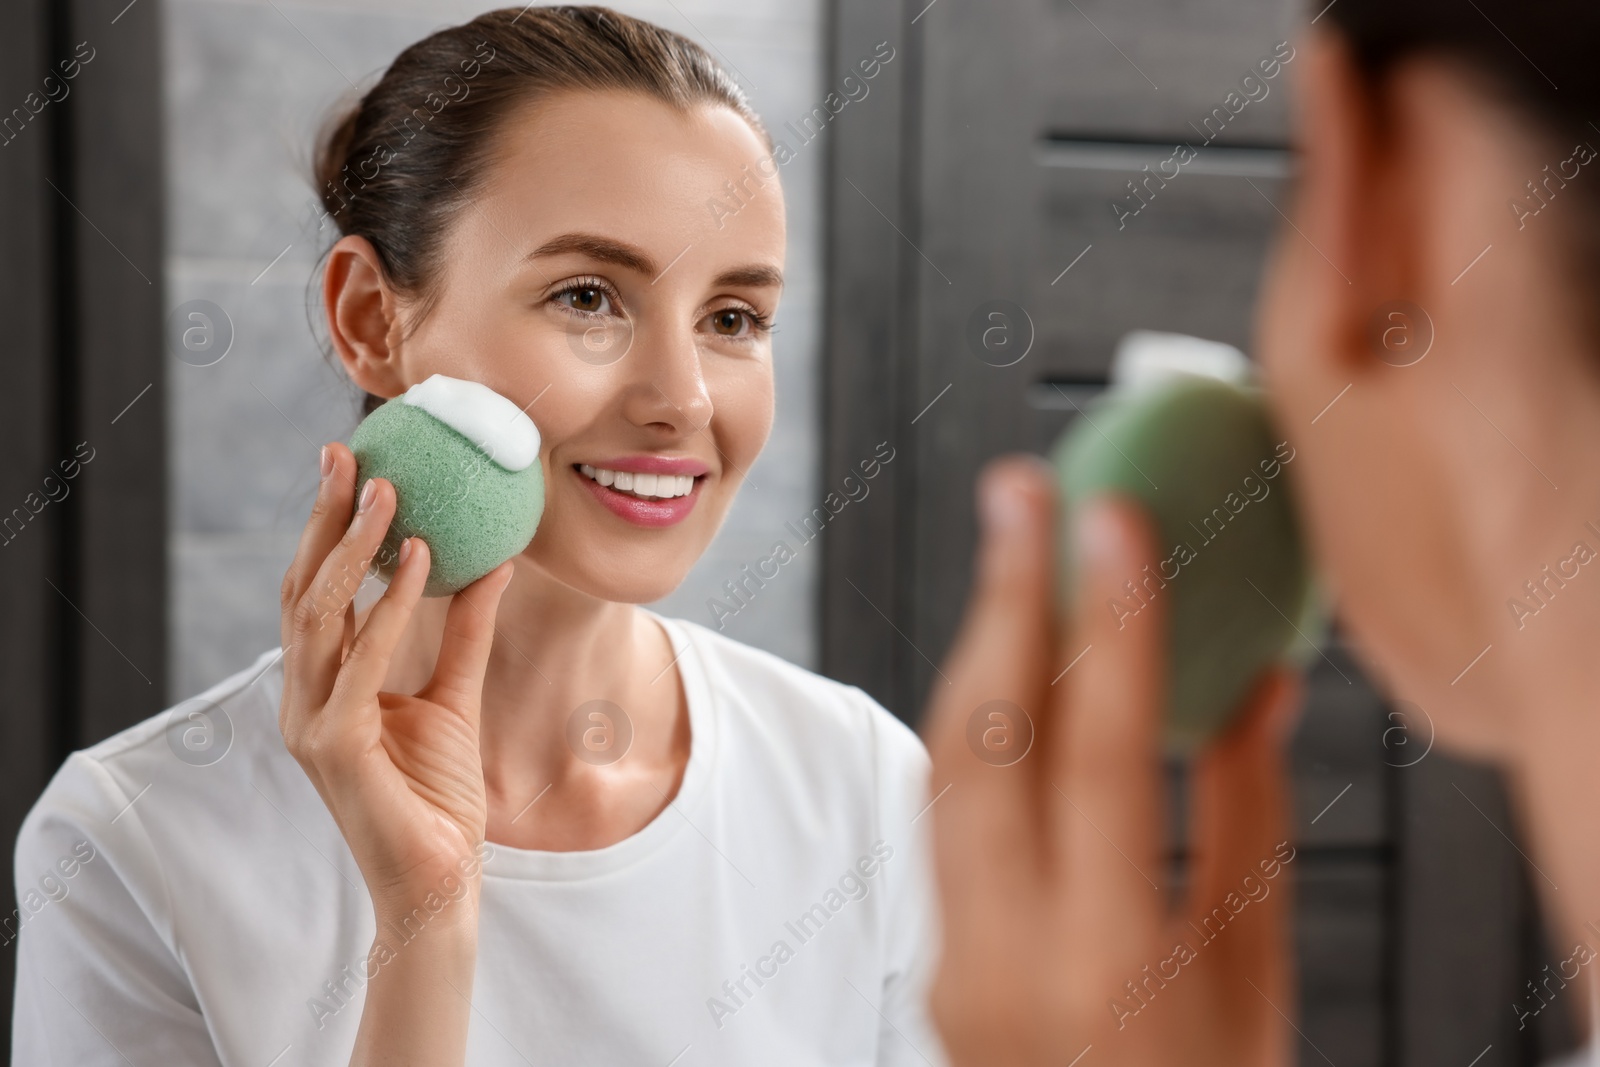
column 653, row 463
column 650, row 491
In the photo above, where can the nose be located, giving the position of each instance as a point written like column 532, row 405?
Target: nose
column 668, row 391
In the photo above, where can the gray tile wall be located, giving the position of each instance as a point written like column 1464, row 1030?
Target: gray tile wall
column 248, row 85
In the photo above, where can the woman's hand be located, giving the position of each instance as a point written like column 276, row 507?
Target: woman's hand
column 402, row 775
column 1058, row 937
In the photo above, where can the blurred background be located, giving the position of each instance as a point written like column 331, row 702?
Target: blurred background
column 972, row 227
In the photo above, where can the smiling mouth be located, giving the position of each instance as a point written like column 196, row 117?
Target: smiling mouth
column 638, row 485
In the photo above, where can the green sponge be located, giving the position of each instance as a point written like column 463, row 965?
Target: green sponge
column 464, row 462
column 1200, row 455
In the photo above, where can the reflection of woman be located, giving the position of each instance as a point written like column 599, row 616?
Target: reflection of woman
column 741, row 884
column 1448, row 164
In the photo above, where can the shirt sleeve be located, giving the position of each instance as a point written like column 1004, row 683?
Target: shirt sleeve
column 906, row 1035
column 98, row 981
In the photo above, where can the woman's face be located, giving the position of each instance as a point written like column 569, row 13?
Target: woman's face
column 607, row 281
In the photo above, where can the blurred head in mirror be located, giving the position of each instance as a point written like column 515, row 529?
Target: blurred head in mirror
column 1429, row 332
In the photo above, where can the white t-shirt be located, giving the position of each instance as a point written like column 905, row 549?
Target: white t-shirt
column 181, row 909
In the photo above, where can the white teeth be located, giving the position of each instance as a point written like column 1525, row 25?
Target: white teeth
column 653, row 486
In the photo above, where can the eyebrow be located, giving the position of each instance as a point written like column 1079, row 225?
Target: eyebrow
column 596, row 247
column 623, row 255
column 754, row 276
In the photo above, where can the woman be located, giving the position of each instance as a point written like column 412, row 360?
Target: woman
column 532, row 823
column 1450, row 494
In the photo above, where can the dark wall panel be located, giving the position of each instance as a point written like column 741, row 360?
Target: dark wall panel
column 83, row 563
column 867, row 339
column 28, row 607
column 116, row 311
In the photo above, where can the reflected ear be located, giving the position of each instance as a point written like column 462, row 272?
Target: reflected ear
column 1360, row 191
column 363, row 316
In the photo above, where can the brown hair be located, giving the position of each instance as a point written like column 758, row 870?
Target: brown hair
column 398, row 165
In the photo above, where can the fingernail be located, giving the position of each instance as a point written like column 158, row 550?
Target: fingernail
column 1002, row 505
column 327, row 463
column 1096, row 533
column 368, row 491
column 405, row 548
column 506, row 582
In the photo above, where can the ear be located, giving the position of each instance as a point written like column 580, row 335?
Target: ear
column 363, row 316
column 1359, row 195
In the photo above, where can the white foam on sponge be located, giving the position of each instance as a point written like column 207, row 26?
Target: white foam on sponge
column 481, row 415
column 1149, row 357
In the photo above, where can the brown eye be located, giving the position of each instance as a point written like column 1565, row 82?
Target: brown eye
column 728, row 322
column 586, row 298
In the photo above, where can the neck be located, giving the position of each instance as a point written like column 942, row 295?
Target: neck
column 555, row 649
column 1511, row 670
column 1550, row 769
column 1546, row 678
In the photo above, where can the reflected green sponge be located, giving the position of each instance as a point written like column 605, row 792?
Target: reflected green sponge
column 464, row 462
column 1199, row 453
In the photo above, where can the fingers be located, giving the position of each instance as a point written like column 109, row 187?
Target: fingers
column 349, row 630
column 983, row 827
column 315, row 624
column 367, row 664
column 1108, row 783
column 330, row 516
column 1240, row 830
column 457, row 680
